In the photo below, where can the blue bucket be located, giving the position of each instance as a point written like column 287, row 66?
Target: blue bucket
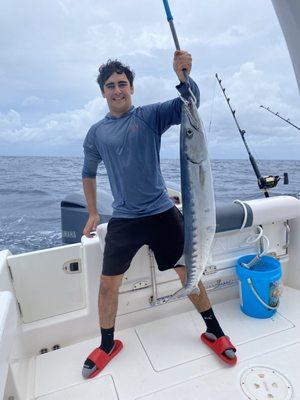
column 260, row 286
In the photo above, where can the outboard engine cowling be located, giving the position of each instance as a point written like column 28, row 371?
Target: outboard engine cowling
column 74, row 214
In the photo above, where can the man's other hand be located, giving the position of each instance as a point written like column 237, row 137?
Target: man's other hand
column 91, row 225
column 182, row 60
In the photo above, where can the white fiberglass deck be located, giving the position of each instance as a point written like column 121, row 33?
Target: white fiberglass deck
column 165, row 359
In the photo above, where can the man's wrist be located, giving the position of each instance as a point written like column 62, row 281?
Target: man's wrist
column 182, row 87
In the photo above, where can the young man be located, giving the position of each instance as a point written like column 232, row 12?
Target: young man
column 128, row 141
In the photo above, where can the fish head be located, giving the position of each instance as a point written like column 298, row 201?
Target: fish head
column 195, row 150
column 193, row 136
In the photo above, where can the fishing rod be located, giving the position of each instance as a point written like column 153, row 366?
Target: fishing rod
column 279, row 116
column 177, row 46
column 264, row 182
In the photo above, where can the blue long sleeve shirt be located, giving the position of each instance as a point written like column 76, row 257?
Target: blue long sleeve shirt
column 129, row 147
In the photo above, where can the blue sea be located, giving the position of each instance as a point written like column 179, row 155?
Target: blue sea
column 31, row 189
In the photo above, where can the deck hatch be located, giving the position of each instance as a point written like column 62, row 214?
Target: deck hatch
column 165, row 347
column 264, row 383
column 102, row 388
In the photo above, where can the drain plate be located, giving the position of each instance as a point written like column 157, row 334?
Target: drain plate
column 264, row 383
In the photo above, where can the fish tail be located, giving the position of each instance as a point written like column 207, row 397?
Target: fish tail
column 194, row 290
column 185, row 292
column 180, row 293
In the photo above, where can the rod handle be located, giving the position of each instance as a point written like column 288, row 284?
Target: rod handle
column 185, row 74
column 168, row 11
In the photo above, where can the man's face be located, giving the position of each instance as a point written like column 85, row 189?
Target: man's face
column 117, row 92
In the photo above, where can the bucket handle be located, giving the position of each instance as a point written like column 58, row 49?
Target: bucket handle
column 259, row 298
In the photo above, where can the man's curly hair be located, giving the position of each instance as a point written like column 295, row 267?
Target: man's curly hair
column 111, row 66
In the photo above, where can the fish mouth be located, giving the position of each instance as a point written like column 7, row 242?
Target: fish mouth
column 196, row 162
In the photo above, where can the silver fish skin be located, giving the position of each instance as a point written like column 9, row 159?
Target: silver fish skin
column 197, row 198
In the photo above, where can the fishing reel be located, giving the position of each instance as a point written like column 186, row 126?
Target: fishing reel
column 271, row 181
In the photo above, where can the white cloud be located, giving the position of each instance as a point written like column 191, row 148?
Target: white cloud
column 247, row 89
column 52, row 50
column 60, row 128
column 32, row 101
column 230, row 36
column 10, row 121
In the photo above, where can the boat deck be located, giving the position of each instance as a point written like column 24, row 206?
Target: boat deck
column 165, row 359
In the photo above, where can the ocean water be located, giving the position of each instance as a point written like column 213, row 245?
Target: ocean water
column 31, row 189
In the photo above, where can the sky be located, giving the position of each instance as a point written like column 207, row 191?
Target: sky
column 51, row 51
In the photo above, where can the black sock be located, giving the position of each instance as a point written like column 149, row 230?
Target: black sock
column 107, row 339
column 212, row 323
column 107, row 343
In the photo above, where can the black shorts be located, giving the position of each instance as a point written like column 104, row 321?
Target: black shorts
column 163, row 233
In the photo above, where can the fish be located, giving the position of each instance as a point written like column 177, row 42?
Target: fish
column 198, row 202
